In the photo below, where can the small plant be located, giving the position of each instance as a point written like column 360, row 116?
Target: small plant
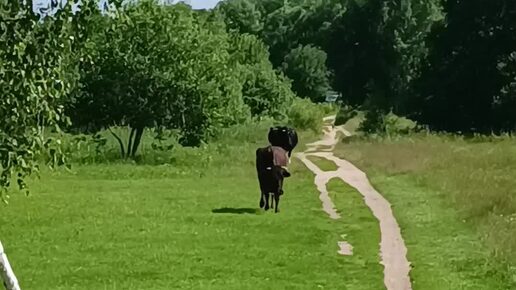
column 345, row 114
column 165, row 140
column 373, row 123
column 396, row 125
column 303, row 114
column 390, row 124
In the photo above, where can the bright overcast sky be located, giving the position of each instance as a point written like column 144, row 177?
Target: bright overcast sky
column 196, row 4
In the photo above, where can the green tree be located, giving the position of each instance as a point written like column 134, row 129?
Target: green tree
column 374, row 48
column 505, row 102
column 378, row 49
column 289, row 29
column 36, row 73
column 461, row 86
column 241, row 16
column 402, row 31
column 264, row 90
column 306, row 67
column 352, row 51
column 287, row 25
column 158, row 66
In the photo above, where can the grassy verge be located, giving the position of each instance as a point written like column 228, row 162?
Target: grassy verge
column 455, row 201
column 323, row 163
column 360, row 229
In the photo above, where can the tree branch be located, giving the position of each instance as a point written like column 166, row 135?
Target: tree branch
column 122, row 151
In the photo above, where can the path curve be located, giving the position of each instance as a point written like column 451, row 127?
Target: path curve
column 393, row 251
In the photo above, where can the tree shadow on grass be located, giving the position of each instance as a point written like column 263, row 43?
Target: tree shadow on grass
column 231, row 210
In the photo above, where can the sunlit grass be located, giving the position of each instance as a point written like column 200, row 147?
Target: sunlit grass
column 323, row 163
column 191, row 224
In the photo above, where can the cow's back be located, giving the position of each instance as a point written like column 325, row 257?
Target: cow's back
column 263, row 158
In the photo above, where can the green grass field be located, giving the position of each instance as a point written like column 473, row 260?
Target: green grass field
column 194, row 223
column 127, row 226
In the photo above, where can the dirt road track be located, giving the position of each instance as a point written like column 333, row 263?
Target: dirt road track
column 393, row 252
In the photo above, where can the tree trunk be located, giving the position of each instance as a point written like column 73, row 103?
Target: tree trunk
column 122, row 151
column 130, row 143
column 137, row 139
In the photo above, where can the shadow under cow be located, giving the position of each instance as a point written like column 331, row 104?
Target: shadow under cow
column 230, row 210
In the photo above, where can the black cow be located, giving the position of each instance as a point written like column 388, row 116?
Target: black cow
column 283, row 137
column 271, row 172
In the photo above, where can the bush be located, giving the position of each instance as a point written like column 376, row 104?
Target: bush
column 345, row 114
column 264, row 90
column 329, row 108
column 306, row 67
column 395, row 125
column 391, row 125
column 303, row 114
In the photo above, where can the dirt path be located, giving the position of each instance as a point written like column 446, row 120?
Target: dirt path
column 392, row 247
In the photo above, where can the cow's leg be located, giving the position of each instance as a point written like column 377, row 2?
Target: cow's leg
column 276, row 201
column 262, row 200
column 266, row 198
column 278, row 193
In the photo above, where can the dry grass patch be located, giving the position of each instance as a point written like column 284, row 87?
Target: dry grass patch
column 476, row 176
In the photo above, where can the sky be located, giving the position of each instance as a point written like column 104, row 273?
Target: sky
column 198, row 4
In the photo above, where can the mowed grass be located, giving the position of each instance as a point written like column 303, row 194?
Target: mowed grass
column 360, row 229
column 192, row 225
column 323, row 163
column 455, row 202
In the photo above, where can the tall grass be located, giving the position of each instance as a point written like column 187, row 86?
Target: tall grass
column 477, row 177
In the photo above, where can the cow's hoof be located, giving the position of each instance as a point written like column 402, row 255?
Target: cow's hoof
column 262, row 203
column 266, row 208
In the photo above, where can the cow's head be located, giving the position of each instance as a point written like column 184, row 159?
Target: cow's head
column 285, row 173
